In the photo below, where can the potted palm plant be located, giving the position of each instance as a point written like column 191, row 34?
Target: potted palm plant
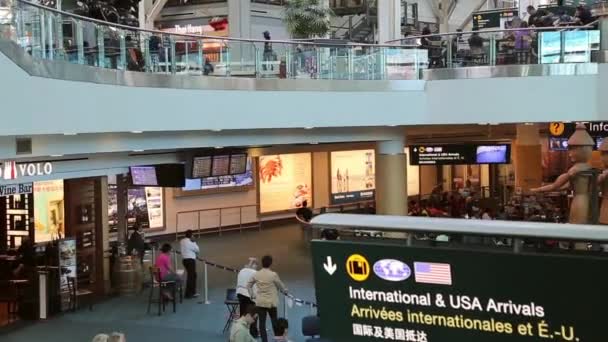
column 307, row 18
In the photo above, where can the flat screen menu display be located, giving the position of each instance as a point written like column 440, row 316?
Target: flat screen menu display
column 221, row 166
column 201, row 167
column 238, row 164
column 144, row 175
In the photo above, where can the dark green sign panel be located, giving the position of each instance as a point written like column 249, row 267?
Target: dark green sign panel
column 379, row 292
column 493, row 19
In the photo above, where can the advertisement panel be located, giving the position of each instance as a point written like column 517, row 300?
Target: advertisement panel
column 353, row 176
column 285, row 181
column 49, row 217
column 385, row 292
column 145, row 207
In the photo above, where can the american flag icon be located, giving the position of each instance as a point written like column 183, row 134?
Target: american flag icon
column 433, row 273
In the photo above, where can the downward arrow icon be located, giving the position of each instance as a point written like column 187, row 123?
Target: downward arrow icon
column 329, row 266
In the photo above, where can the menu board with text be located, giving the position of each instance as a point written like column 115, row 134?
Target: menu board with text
column 201, row 167
column 221, row 165
column 238, row 164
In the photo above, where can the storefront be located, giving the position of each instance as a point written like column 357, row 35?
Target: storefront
column 50, row 226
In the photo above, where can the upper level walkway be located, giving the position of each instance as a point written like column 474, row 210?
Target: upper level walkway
column 92, row 76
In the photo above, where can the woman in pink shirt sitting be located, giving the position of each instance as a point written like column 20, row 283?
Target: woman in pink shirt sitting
column 163, row 262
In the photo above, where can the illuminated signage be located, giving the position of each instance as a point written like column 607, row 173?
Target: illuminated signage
column 16, row 189
column 11, row 170
column 440, row 295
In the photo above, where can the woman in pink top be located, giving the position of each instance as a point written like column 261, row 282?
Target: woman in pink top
column 163, row 262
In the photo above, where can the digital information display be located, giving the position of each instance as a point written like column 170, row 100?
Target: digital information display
column 381, row 292
column 144, row 175
column 560, row 132
column 221, row 166
column 238, row 164
column 201, row 167
column 353, row 176
column 466, row 154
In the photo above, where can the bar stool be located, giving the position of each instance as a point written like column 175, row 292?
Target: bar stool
column 161, row 286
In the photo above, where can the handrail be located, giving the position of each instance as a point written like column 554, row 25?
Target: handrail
column 197, row 36
column 198, row 229
column 548, row 28
column 519, row 229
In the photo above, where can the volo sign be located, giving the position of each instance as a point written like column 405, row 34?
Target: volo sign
column 11, row 170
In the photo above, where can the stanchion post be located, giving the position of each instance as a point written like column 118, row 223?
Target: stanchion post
column 517, row 245
column 205, row 277
column 285, row 306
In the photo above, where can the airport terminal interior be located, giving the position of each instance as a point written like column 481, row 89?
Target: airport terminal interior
column 303, row 170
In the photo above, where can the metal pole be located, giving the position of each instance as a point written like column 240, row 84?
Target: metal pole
column 240, row 219
column 199, row 224
column 220, row 227
column 410, row 240
column 205, row 280
column 517, row 245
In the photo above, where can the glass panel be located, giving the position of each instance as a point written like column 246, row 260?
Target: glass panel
column 550, row 47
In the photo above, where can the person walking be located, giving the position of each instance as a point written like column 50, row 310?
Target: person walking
column 242, row 292
column 189, row 250
column 267, row 298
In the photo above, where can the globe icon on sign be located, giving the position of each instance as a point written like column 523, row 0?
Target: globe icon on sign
column 392, row 270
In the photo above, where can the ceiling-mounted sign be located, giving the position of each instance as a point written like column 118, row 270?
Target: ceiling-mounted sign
column 11, row 170
column 596, row 129
column 493, row 19
column 16, row 189
column 460, row 154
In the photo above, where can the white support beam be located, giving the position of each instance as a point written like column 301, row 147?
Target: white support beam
column 154, row 13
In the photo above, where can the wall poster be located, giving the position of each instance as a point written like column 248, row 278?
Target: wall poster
column 145, row 206
column 353, row 176
column 285, row 181
column 49, row 218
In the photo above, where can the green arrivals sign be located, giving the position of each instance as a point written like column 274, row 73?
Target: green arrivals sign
column 383, row 292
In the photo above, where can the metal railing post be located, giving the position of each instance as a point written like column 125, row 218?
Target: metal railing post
column 517, row 245
column 201, row 59
column 101, row 53
column 198, row 224
column 206, row 283
column 173, row 54
column 79, row 42
column 123, row 51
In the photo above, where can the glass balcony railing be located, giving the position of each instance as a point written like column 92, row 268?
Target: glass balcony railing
column 49, row 34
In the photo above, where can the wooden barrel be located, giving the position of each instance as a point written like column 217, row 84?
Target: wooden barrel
column 128, row 275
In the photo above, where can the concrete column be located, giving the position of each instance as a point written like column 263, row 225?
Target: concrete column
column 603, row 26
column 121, row 204
column 239, row 26
column 391, row 177
column 389, row 20
column 527, row 157
column 102, row 187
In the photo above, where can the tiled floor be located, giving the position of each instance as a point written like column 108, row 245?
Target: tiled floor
column 193, row 321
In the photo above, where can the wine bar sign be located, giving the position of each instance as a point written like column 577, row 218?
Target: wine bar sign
column 11, row 170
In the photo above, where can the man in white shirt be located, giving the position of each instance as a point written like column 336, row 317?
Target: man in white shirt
column 189, row 251
column 242, row 292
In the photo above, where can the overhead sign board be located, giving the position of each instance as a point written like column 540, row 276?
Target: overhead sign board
column 384, row 292
column 460, row 154
column 493, row 19
column 560, row 132
column 12, row 170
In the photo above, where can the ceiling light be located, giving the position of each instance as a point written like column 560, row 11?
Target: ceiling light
column 70, row 133
column 56, row 155
column 136, row 132
column 217, row 130
column 138, row 150
column 219, row 147
column 314, row 143
column 529, row 124
column 309, row 127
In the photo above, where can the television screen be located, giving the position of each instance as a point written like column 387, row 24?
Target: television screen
column 238, row 164
column 171, row 175
column 492, row 154
column 192, row 184
column 201, row 167
column 221, row 166
column 144, row 175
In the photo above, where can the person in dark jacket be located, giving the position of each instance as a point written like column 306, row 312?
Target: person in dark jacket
column 136, row 243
